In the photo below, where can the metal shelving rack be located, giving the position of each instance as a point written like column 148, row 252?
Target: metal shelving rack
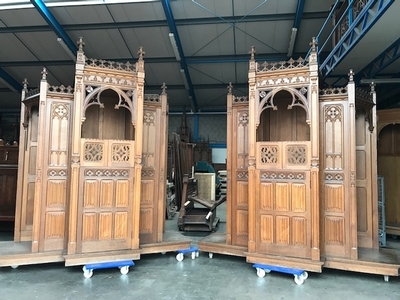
column 381, row 211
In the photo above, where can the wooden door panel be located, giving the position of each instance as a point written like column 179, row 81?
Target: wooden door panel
column 283, row 200
column 106, row 192
column 242, row 228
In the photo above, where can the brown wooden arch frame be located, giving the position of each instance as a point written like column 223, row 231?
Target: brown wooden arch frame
column 268, row 100
column 124, row 100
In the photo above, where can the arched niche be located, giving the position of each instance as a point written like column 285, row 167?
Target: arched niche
column 108, row 115
column 283, row 117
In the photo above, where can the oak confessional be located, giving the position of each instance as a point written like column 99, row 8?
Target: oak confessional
column 92, row 178
column 301, row 173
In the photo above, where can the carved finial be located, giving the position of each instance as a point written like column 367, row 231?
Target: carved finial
column 44, row 73
column 313, row 44
column 351, row 75
column 230, row 88
column 141, row 53
column 252, row 52
column 372, row 86
column 81, row 44
column 163, row 88
column 25, row 84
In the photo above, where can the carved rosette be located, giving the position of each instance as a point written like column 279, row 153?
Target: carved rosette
column 121, row 152
column 60, row 111
column 106, row 172
column 334, row 176
column 281, row 175
column 57, row 172
column 148, row 173
column 243, row 119
column 333, row 113
column 94, row 152
column 242, row 175
column 149, row 117
column 268, row 155
column 296, row 155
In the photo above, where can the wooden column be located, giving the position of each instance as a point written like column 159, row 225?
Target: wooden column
column 253, row 104
column 37, row 217
column 163, row 163
column 23, row 134
column 75, row 148
column 229, row 189
column 138, row 148
column 374, row 170
column 314, row 138
column 352, row 167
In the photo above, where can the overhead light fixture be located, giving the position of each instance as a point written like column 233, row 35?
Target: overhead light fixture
column 66, row 49
column 292, row 41
column 174, row 46
column 185, row 82
column 382, row 80
column 17, row 4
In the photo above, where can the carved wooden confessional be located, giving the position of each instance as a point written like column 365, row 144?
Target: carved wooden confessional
column 301, row 173
column 283, row 167
column 80, row 167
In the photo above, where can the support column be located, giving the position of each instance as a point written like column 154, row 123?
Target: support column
column 138, row 149
column 75, row 149
column 352, row 149
column 253, row 104
column 37, row 207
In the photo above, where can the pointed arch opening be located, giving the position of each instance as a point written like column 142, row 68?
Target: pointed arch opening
column 283, row 117
column 108, row 116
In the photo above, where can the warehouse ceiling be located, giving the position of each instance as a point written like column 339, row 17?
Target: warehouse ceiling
column 195, row 47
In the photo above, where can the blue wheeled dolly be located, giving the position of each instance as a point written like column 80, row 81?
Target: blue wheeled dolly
column 299, row 275
column 193, row 250
column 123, row 266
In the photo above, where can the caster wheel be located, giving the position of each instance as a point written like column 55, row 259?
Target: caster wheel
column 210, row 255
column 304, row 275
column 14, row 266
column 197, row 253
column 267, row 271
column 124, row 270
column 179, row 257
column 298, row 280
column 163, row 253
column 87, row 273
column 386, row 278
column 260, row 272
column 193, row 255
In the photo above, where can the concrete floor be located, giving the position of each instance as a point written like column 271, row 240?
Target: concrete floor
column 157, row 276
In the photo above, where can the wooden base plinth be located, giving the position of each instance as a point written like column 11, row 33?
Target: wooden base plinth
column 372, row 261
column 101, row 257
column 164, row 247
column 216, row 243
column 283, row 261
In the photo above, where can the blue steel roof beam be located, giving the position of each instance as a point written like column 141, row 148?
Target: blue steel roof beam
column 172, row 27
column 296, row 25
column 49, row 18
column 370, row 14
column 389, row 55
column 299, row 13
column 10, row 81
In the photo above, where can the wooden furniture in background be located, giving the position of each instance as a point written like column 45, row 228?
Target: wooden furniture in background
column 8, row 181
column 389, row 165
